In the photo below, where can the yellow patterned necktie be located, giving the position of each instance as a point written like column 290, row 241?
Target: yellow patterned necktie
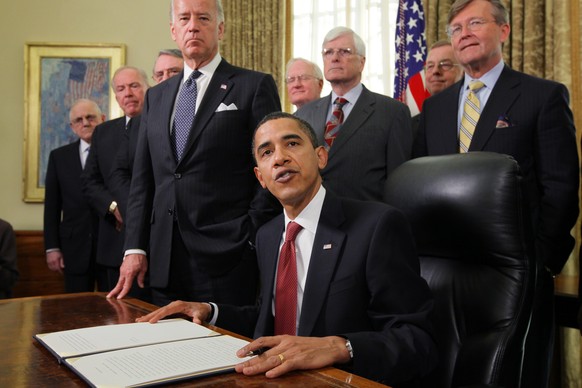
column 471, row 112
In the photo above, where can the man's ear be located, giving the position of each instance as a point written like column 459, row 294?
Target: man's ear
column 322, row 155
column 260, row 177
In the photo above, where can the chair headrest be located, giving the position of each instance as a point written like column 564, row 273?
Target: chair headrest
column 462, row 203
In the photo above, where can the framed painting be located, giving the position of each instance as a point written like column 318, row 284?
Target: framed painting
column 56, row 75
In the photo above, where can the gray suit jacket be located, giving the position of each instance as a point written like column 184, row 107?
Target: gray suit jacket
column 374, row 139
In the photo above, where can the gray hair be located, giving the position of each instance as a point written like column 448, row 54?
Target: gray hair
column 317, row 73
column 219, row 9
column 500, row 13
column 171, row 52
column 341, row 31
column 87, row 101
column 140, row 72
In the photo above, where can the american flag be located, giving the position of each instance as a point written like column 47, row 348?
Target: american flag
column 410, row 55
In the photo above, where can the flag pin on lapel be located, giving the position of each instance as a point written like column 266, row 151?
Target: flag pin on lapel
column 326, row 246
column 223, row 86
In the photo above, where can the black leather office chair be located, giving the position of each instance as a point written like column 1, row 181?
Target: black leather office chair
column 476, row 253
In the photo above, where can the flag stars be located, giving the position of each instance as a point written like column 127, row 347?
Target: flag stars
column 415, row 8
column 419, row 57
column 412, row 23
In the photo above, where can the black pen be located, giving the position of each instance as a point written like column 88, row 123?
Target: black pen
column 257, row 352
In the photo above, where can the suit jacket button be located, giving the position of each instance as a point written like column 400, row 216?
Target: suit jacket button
column 170, row 211
column 178, row 176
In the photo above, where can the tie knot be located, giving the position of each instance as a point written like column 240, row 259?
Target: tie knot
column 475, row 85
column 340, row 102
column 293, row 230
column 195, row 74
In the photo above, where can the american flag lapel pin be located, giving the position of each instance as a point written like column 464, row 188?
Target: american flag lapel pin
column 326, row 246
column 223, row 86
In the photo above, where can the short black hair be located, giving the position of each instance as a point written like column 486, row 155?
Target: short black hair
column 303, row 125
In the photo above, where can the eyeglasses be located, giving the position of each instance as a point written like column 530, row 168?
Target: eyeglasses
column 442, row 65
column 159, row 75
column 341, row 52
column 79, row 120
column 473, row 25
column 302, row 78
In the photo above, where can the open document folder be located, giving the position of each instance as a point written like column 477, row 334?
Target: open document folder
column 142, row 354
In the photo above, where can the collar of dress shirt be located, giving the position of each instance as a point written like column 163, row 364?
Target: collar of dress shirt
column 309, row 217
column 352, row 96
column 207, row 70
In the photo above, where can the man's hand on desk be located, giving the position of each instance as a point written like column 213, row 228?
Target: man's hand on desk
column 199, row 312
column 287, row 353
column 133, row 265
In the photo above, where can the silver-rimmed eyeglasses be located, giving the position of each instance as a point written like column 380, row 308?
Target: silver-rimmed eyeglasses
column 473, row 25
column 341, row 52
column 302, row 78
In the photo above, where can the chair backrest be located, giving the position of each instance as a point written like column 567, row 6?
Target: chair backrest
column 476, row 252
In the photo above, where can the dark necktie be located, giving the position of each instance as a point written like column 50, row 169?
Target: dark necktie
column 332, row 126
column 184, row 114
column 286, row 287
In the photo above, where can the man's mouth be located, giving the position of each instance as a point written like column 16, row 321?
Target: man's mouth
column 284, row 176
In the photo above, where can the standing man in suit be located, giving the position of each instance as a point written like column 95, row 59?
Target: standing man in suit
column 129, row 85
column 369, row 135
column 193, row 197
column 522, row 116
column 168, row 64
column 357, row 300
column 70, row 226
column 304, row 81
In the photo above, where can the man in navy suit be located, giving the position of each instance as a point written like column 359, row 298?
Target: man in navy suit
column 375, row 136
column 522, row 116
column 129, row 85
column 197, row 209
column 361, row 303
column 70, row 226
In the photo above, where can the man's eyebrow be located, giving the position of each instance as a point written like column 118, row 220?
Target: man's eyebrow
column 263, row 146
column 292, row 136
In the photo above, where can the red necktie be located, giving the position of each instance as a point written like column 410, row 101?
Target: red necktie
column 286, row 287
column 337, row 117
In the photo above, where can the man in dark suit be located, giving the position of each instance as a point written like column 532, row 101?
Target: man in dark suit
column 168, row 64
column 70, row 226
column 8, row 258
column 129, row 85
column 360, row 303
column 519, row 115
column 375, row 136
column 193, row 197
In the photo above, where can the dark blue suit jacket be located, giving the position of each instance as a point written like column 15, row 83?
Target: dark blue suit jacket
column 69, row 222
column 99, row 190
column 529, row 119
column 367, row 287
column 212, row 192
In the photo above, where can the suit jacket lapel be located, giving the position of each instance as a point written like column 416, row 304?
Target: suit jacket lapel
column 327, row 246
column 319, row 116
column 218, row 88
column 445, row 135
column 169, row 95
column 502, row 97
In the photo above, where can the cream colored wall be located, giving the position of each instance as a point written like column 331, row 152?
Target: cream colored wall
column 142, row 25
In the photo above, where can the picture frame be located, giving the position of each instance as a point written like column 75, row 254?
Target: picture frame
column 56, row 75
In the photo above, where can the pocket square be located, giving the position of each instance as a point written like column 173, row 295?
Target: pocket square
column 503, row 122
column 223, row 107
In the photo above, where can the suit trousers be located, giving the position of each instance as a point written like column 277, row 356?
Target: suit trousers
column 190, row 282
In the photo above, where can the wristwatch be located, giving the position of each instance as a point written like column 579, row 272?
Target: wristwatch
column 112, row 207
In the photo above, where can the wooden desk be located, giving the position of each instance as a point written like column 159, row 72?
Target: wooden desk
column 566, row 300
column 26, row 363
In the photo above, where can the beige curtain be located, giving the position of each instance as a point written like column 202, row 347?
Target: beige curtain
column 545, row 42
column 254, row 36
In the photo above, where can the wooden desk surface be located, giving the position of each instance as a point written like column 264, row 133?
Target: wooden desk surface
column 26, row 363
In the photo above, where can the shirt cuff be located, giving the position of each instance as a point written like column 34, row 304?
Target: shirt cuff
column 134, row 252
column 214, row 317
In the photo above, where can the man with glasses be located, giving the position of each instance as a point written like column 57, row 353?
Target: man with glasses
column 367, row 134
column 129, row 85
column 70, row 225
column 497, row 109
column 441, row 69
column 304, row 81
column 168, row 64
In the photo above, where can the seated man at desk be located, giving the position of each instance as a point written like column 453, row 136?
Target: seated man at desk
column 340, row 281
